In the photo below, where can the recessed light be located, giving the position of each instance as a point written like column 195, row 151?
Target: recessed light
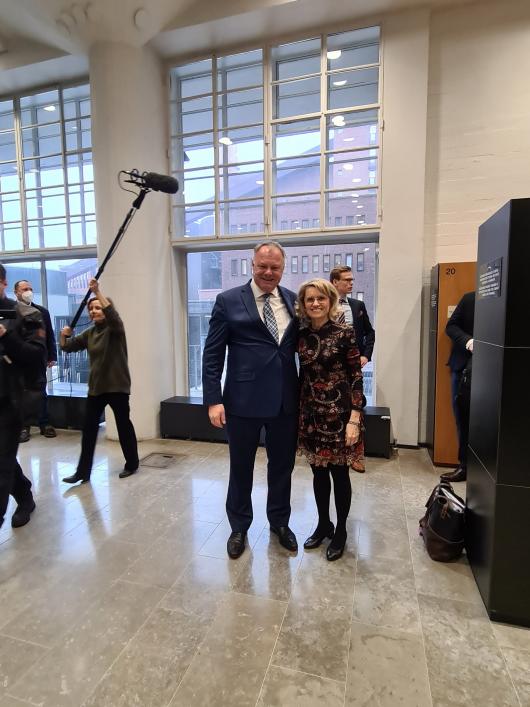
column 259, row 181
column 334, row 54
column 360, row 206
column 338, row 120
column 340, row 83
column 225, row 141
column 354, row 201
column 357, row 180
column 348, row 167
column 50, row 109
column 349, row 139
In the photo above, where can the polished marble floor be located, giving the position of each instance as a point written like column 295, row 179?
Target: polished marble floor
column 119, row 593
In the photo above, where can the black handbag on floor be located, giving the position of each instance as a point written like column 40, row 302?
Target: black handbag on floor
column 442, row 526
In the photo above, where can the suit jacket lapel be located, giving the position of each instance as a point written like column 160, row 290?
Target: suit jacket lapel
column 247, row 297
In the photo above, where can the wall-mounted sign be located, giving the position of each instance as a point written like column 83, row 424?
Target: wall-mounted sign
column 489, row 279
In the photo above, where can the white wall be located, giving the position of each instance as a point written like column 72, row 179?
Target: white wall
column 478, row 129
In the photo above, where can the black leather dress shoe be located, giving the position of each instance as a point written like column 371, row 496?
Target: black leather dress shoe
column 320, row 534
column 286, row 536
column 336, row 547
column 75, row 478
column 22, row 514
column 24, row 435
column 127, row 472
column 236, row 544
column 459, row 474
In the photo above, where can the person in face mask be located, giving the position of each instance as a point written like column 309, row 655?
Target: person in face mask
column 24, row 293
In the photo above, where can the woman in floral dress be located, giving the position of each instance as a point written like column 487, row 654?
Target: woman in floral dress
column 330, row 433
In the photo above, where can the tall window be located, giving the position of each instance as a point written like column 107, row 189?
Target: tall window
column 360, row 262
column 234, row 115
column 46, row 175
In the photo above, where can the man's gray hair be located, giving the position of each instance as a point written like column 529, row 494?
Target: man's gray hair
column 269, row 244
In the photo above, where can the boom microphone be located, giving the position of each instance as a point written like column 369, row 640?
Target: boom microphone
column 154, row 181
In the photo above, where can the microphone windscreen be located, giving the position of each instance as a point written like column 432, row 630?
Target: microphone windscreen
column 160, row 182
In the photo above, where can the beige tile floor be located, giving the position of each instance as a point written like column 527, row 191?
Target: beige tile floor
column 119, row 593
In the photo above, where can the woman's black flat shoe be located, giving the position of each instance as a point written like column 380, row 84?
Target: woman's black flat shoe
column 335, row 552
column 75, row 478
column 315, row 540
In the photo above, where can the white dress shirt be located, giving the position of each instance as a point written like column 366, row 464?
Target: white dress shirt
column 280, row 311
column 345, row 306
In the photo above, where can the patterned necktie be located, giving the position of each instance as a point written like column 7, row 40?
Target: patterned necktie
column 269, row 318
column 341, row 319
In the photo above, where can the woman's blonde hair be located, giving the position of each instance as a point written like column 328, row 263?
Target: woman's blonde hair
column 325, row 288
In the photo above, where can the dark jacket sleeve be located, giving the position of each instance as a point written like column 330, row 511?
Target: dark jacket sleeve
column 51, row 344
column 458, row 323
column 213, row 357
column 369, row 334
column 25, row 352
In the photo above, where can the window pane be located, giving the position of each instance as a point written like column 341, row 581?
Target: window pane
column 358, row 129
column 194, row 221
column 43, row 140
column 79, row 168
column 353, row 88
column 43, row 172
column 10, row 207
column 235, row 216
column 48, row 233
column 6, row 115
column 298, row 174
column 296, row 138
column 351, row 168
column 241, row 145
column 196, row 185
column 241, row 181
column 361, row 205
column 239, row 70
column 40, row 108
column 76, row 101
column 354, row 48
column 240, row 107
column 297, row 98
column 195, row 115
column 296, row 59
column 67, row 283
column 78, row 134
column 191, row 151
column 191, row 79
column 11, row 236
column 45, row 203
column 83, row 230
column 8, row 177
column 8, row 150
column 295, row 209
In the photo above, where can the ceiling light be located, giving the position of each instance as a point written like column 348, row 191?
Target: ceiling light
column 338, row 120
column 355, row 196
column 348, row 167
column 349, row 139
column 225, row 141
column 340, row 83
column 357, row 180
column 50, row 109
column 259, row 181
column 334, row 54
column 354, row 201
column 360, row 206
column 366, row 249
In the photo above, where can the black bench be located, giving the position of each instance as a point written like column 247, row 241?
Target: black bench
column 185, row 417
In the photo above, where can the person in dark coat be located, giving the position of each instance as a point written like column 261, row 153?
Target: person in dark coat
column 256, row 324
column 24, row 293
column 460, row 330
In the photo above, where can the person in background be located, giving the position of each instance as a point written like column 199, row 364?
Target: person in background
column 256, row 324
column 109, row 382
column 460, row 330
column 24, row 293
column 21, row 348
column 330, row 431
column 353, row 311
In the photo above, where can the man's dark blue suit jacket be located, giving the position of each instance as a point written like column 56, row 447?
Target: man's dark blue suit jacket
column 261, row 375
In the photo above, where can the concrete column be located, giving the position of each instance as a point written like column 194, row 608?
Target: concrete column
column 129, row 130
column 405, row 82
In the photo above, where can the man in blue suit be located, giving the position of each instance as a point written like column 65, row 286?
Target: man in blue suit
column 256, row 323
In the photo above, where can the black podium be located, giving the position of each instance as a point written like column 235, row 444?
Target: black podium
column 498, row 482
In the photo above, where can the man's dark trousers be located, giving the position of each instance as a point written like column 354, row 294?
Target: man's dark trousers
column 280, row 443
column 12, row 479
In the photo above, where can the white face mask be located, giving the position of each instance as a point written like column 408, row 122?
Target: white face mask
column 27, row 297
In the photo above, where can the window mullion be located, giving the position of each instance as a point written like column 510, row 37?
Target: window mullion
column 216, row 172
column 20, row 171
column 267, row 138
column 323, row 129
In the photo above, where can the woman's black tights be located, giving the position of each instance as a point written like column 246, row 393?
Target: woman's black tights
column 342, row 492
